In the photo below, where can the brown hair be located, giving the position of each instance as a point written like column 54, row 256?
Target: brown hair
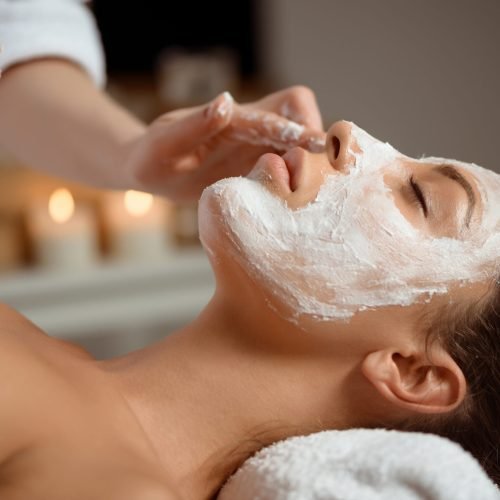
column 471, row 334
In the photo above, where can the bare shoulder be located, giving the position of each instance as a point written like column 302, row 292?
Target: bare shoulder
column 27, row 378
column 51, row 401
column 16, row 371
column 20, row 337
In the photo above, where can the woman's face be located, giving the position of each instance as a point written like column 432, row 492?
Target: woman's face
column 357, row 227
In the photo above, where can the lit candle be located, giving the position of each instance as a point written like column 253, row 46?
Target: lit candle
column 137, row 225
column 63, row 233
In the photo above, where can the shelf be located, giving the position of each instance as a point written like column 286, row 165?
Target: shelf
column 112, row 297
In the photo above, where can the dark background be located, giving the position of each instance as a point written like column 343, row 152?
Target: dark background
column 134, row 33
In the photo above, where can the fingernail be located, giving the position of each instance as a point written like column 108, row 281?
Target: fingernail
column 221, row 106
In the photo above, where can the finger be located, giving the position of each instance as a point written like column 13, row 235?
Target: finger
column 264, row 128
column 192, row 128
column 297, row 103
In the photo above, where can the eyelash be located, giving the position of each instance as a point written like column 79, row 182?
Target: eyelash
column 418, row 195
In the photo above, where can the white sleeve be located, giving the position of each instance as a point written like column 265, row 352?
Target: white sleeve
column 31, row 29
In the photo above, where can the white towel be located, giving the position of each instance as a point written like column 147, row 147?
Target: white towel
column 31, row 29
column 361, row 464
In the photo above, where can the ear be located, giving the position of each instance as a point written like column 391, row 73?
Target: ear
column 411, row 382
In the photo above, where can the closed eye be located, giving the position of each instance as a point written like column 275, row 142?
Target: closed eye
column 419, row 197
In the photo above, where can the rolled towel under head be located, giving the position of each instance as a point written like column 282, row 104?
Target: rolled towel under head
column 361, row 464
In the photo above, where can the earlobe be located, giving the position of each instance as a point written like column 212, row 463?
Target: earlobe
column 411, row 382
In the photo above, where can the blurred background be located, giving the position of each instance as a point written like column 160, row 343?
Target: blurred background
column 115, row 271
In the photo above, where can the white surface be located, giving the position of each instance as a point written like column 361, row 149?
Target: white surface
column 361, row 464
column 112, row 297
column 39, row 28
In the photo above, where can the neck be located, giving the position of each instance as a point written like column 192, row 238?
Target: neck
column 210, row 395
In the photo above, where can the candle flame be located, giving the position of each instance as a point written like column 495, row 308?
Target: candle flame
column 61, row 205
column 138, row 203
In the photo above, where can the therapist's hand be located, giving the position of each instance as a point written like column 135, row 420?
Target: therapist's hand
column 186, row 150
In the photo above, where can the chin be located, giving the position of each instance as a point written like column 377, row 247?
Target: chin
column 226, row 252
column 212, row 225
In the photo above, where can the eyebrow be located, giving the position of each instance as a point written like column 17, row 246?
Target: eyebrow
column 452, row 173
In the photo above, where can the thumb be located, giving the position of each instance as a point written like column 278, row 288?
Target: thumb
column 193, row 127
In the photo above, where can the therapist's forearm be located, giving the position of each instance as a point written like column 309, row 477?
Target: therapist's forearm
column 53, row 118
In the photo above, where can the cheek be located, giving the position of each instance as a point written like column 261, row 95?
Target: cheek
column 404, row 202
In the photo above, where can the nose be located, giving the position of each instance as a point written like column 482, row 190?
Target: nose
column 340, row 146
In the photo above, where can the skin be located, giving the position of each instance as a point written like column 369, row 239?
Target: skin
column 67, row 127
column 176, row 418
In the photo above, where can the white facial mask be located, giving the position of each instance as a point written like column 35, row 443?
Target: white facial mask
column 351, row 248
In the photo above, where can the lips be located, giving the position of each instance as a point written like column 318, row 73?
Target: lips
column 294, row 159
column 291, row 175
column 281, row 174
column 272, row 171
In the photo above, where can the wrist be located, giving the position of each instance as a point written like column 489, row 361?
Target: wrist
column 124, row 133
column 126, row 161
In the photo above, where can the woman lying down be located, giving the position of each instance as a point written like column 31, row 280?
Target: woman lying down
column 356, row 287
